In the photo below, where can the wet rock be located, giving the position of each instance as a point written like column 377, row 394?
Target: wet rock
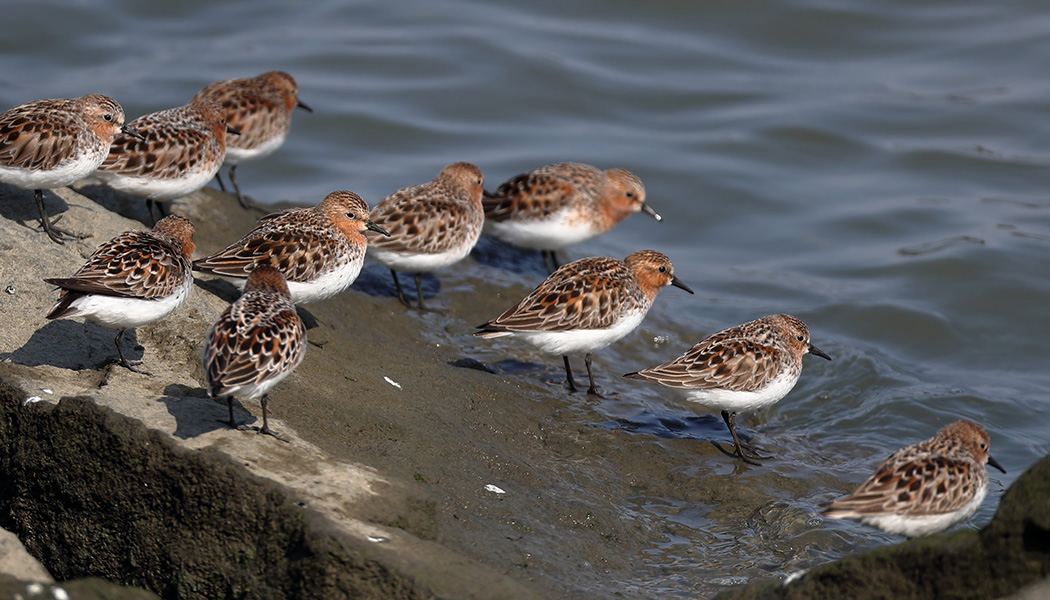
column 89, row 588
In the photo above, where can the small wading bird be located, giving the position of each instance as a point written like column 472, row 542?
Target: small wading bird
column 745, row 367
column 926, row 487
column 431, row 226
column 260, row 109
column 586, row 305
column 178, row 151
column 318, row 250
column 134, row 279
column 558, row 206
column 258, row 341
column 47, row 144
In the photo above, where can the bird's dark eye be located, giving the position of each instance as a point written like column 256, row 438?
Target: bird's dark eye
column 984, row 446
column 351, row 215
column 629, row 194
column 800, row 337
column 663, row 269
column 107, row 117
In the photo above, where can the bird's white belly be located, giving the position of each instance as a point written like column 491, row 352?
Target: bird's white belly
column 554, row 233
column 915, row 526
column 418, row 262
column 62, row 175
column 159, row 189
column 235, row 156
column 582, row 340
column 127, row 313
column 737, row 401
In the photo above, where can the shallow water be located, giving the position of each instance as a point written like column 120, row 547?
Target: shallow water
column 877, row 169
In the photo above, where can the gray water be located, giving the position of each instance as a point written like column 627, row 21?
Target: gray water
column 878, row 169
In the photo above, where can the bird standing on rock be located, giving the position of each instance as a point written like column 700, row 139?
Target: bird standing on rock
column 260, row 108
column 132, row 280
column 178, row 151
column 318, row 250
column 586, row 305
column 258, row 341
column 46, row 144
column 432, row 225
column 560, row 205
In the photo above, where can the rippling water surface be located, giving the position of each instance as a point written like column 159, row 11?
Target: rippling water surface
column 876, row 168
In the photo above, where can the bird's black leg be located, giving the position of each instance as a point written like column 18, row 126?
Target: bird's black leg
column 124, row 361
column 59, row 236
column 568, row 374
column 591, row 391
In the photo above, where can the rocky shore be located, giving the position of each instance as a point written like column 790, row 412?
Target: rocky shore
column 135, row 479
column 413, row 472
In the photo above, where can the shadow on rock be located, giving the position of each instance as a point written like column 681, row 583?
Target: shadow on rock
column 492, row 252
column 195, row 413
column 68, row 344
column 20, row 206
column 308, row 318
column 125, row 205
column 669, row 425
column 219, row 288
column 509, row 365
column 375, row 280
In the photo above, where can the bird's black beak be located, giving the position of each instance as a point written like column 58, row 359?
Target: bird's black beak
column 817, row 351
column 303, row 106
column 649, row 211
column 370, row 225
column 675, row 281
column 995, row 463
column 129, row 131
column 233, row 130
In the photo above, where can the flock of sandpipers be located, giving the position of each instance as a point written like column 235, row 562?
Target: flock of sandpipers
column 309, row 254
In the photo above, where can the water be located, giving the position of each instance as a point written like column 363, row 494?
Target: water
column 876, row 168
